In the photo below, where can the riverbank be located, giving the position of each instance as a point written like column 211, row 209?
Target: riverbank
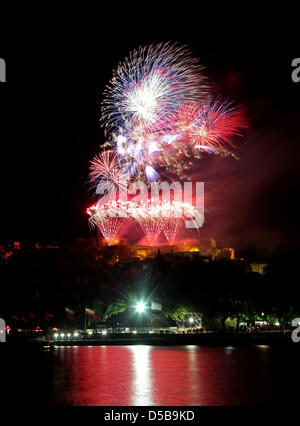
column 205, row 339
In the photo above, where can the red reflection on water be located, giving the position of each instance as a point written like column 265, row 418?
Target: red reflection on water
column 93, row 375
column 200, row 376
column 147, row 375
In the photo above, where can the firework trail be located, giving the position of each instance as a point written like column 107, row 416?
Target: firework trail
column 210, row 124
column 170, row 229
column 160, row 119
column 106, row 174
column 205, row 126
column 108, row 218
column 153, row 217
column 146, row 216
column 158, row 112
column 146, row 89
column 150, row 85
column 151, row 228
column 174, row 214
column 109, row 228
column 166, row 217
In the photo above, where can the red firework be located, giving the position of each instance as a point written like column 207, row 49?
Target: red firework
column 151, row 228
column 109, row 228
column 212, row 123
column 170, row 228
column 107, row 218
column 106, row 173
column 103, row 165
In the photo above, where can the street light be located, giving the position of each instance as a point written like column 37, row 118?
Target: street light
column 140, row 307
column 191, row 320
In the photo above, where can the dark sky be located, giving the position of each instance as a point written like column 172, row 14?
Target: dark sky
column 58, row 62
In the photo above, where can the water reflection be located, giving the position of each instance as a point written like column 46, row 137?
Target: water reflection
column 142, row 380
column 194, row 387
column 229, row 349
column 147, row 375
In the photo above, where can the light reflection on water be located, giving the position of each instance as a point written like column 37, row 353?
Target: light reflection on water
column 157, row 375
column 142, row 379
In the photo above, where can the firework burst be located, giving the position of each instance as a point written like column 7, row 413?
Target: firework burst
column 210, row 124
column 159, row 119
column 145, row 91
column 150, row 85
column 106, row 174
column 108, row 218
column 166, row 217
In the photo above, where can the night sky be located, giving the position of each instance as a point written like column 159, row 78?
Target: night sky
column 57, row 66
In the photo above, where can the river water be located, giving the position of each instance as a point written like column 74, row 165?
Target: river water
column 174, row 375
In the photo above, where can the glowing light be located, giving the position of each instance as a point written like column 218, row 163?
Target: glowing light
column 108, row 218
column 143, row 375
column 149, row 85
column 153, row 147
column 151, row 174
column 152, row 216
column 121, row 139
column 140, row 307
column 143, row 96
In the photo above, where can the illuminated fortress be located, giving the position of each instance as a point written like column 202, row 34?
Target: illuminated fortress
column 189, row 250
